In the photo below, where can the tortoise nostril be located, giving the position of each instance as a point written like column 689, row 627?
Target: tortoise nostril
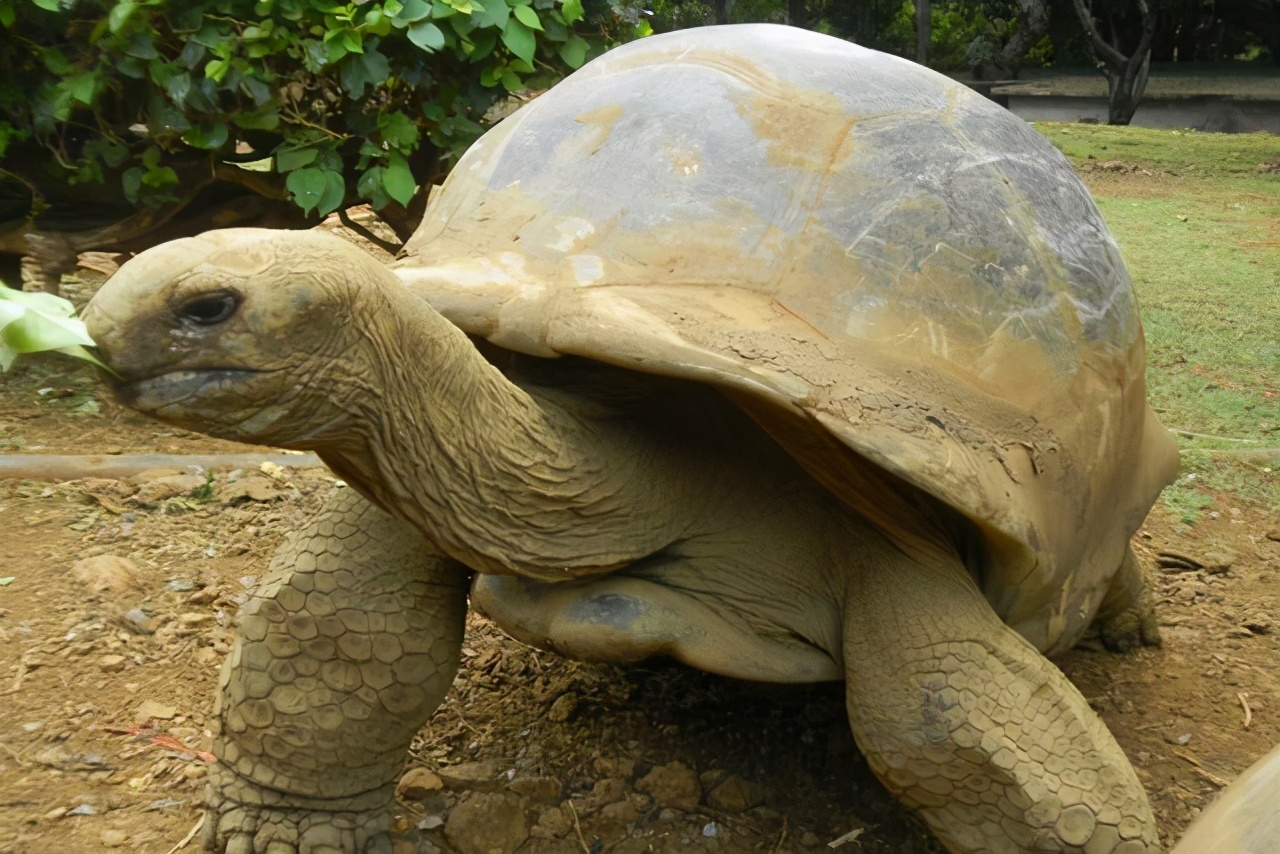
column 210, row 310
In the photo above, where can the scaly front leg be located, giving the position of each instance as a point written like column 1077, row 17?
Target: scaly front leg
column 345, row 650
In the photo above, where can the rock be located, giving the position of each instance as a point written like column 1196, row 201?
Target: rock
column 553, row 822
column 735, row 795
column 482, row 776
column 194, row 619
column 563, row 708
column 418, row 784
column 672, row 785
column 150, row 709
column 107, row 574
column 614, row 819
column 160, row 489
column 249, row 488
column 540, row 790
column 139, row 621
column 487, row 823
column 605, row 792
column 205, row 595
column 113, row 838
column 112, row 663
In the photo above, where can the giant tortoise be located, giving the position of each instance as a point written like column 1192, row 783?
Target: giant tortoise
column 744, row 346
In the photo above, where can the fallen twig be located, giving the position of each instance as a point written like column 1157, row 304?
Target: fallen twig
column 1248, row 713
column 848, row 837
column 191, row 834
column 1217, row 438
column 586, row 849
column 166, row 742
column 1200, row 769
column 18, row 677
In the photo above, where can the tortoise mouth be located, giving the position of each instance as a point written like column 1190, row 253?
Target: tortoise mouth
column 182, row 387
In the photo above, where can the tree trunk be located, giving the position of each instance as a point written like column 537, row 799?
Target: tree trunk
column 1033, row 23
column 1126, row 75
column 722, row 11
column 924, row 30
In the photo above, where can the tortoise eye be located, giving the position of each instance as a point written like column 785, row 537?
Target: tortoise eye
column 210, row 310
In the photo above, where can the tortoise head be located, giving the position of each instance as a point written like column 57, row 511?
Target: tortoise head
column 248, row 334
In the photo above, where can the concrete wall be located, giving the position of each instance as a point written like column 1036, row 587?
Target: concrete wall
column 1209, row 112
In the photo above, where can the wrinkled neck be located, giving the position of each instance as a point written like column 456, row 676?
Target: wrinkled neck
column 499, row 479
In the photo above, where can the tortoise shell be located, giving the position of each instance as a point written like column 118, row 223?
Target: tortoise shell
column 901, row 281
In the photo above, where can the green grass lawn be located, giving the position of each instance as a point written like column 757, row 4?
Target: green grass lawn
column 1198, row 221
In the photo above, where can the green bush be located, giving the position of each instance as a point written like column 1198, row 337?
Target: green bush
column 330, row 101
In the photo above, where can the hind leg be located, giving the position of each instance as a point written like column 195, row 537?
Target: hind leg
column 1127, row 617
column 346, row 648
column 970, row 726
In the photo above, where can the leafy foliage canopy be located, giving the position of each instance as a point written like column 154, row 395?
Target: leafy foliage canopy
column 350, row 99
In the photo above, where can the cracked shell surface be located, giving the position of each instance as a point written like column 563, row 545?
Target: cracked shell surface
column 861, row 250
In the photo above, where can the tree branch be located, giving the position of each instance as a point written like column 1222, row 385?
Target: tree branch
column 366, row 233
column 1106, row 52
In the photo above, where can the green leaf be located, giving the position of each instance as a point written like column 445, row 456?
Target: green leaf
column 494, row 14
column 372, row 187
column 120, row 15
column 210, row 137
column 266, row 119
column 36, row 322
column 307, row 186
column 177, row 86
column 398, row 179
column 519, row 39
column 574, row 51
column 48, row 5
column 413, row 10
column 131, row 183
column 7, row 580
column 370, row 67
column 398, row 130
column 321, row 190
column 335, row 192
column 572, row 11
column 82, row 86
column 216, row 69
column 288, row 159
column 56, row 62
column 511, row 81
column 528, row 17
column 427, row 36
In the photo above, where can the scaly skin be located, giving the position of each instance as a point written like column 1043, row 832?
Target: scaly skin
column 966, row 723
column 345, row 650
column 1127, row 617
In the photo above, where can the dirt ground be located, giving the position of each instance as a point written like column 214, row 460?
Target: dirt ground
column 117, row 598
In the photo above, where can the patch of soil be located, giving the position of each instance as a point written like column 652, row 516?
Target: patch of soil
column 108, row 670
